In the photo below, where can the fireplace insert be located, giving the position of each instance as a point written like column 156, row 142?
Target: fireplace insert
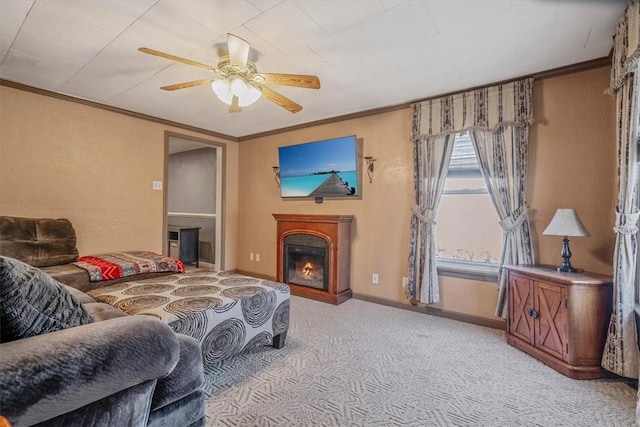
column 306, row 265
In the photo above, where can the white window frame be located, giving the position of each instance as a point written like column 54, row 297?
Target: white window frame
column 470, row 270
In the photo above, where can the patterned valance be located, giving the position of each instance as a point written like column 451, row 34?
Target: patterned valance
column 482, row 109
column 626, row 46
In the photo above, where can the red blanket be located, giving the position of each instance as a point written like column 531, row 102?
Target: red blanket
column 121, row 264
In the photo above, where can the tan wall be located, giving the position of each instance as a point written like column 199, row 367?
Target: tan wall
column 381, row 227
column 572, row 164
column 95, row 167
column 64, row 159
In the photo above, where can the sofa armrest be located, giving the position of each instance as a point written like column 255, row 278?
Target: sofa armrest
column 49, row 375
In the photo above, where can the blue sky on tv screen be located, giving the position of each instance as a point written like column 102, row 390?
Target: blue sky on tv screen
column 332, row 154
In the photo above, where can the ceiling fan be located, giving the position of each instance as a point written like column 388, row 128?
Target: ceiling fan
column 238, row 82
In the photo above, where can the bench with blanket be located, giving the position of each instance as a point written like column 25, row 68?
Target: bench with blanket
column 50, row 244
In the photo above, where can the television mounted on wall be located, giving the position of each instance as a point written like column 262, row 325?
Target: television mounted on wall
column 321, row 169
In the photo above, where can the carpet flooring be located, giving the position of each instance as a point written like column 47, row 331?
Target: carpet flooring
column 363, row 364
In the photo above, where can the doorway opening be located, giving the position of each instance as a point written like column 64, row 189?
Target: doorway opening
column 194, row 170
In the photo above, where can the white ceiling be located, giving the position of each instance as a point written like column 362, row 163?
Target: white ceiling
column 367, row 53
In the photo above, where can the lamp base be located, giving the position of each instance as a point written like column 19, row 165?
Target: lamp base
column 566, row 266
column 569, row 269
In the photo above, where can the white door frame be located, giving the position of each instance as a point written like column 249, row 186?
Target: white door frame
column 220, row 191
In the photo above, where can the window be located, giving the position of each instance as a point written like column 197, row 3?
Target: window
column 468, row 235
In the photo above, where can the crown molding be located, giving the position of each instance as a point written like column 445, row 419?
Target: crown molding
column 556, row 72
column 38, row 91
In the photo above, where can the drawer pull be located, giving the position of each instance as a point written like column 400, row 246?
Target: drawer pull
column 532, row 313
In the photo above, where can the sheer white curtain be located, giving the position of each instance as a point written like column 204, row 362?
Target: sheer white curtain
column 502, row 155
column 431, row 157
column 493, row 110
column 621, row 349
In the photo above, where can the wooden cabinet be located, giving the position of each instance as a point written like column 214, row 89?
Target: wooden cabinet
column 559, row 318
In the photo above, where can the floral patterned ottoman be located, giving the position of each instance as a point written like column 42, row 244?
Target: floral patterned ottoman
column 227, row 312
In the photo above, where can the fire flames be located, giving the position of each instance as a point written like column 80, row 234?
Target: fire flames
column 307, row 270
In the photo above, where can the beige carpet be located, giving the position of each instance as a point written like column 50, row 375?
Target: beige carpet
column 363, row 364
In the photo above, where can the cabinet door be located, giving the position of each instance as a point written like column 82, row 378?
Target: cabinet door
column 520, row 307
column 189, row 245
column 551, row 324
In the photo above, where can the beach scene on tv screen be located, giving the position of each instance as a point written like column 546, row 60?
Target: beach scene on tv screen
column 319, row 169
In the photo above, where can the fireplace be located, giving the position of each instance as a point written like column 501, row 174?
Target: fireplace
column 314, row 254
column 306, row 261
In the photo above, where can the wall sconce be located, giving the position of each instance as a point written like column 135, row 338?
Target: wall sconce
column 276, row 175
column 370, row 161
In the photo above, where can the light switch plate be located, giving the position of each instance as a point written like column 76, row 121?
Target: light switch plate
column 157, row 185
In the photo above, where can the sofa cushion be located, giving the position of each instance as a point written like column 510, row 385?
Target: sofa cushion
column 39, row 242
column 187, row 376
column 79, row 295
column 70, row 275
column 101, row 311
column 78, row 278
column 32, row 303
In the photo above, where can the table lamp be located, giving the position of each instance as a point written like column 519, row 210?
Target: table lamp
column 566, row 223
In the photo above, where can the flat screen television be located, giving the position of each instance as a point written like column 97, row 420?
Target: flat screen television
column 320, row 169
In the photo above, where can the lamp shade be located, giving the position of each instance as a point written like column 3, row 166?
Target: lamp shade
column 566, row 223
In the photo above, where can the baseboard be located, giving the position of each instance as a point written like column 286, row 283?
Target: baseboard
column 252, row 274
column 418, row 308
column 421, row 308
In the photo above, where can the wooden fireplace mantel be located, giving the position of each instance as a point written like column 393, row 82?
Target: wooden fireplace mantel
column 336, row 230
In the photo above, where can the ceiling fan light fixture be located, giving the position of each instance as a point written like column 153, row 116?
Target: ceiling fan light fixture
column 222, row 89
column 251, row 95
column 238, row 87
column 226, row 89
column 237, row 82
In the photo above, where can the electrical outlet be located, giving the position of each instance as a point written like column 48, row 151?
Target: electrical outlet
column 405, row 282
column 257, row 257
column 250, row 256
column 157, row 185
column 375, row 279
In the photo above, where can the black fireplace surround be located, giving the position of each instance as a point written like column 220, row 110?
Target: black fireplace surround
column 306, row 261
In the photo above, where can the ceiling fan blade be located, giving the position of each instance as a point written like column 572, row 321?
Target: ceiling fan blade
column 187, row 84
column 281, row 100
column 234, row 107
column 297, row 80
column 238, row 50
column 177, row 58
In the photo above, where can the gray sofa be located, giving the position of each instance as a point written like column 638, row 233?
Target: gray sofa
column 106, row 369
column 50, row 244
column 125, row 371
